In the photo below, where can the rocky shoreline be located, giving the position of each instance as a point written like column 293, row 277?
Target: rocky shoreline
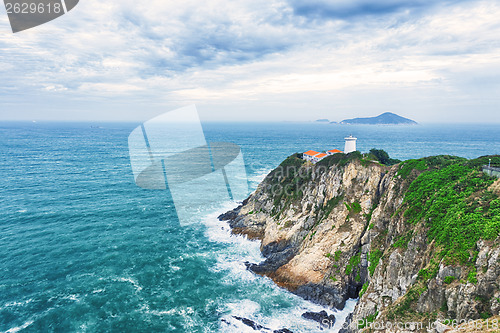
column 324, row 320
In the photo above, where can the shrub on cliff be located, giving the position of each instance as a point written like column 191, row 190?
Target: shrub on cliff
column 455, row 204
column 484, row 160
column 383, row 157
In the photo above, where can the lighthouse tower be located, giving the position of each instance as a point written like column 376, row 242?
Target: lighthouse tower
column 350, row 144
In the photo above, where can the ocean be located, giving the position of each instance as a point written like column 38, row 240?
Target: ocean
column 83, row 249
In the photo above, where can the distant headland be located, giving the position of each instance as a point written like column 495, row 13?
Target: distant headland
column 387, row 118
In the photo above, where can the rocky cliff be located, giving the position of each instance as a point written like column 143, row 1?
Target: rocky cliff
column 417, row 241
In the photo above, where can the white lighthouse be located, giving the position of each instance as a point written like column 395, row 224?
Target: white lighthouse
column 350, row 144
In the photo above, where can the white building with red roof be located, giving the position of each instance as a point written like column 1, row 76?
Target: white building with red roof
column 320, row 156
column 310, row 156
column 313, row 156
column 334, row 151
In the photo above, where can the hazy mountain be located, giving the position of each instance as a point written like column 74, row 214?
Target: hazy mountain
column 387, row 118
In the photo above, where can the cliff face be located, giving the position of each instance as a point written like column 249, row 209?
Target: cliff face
column 348, row 227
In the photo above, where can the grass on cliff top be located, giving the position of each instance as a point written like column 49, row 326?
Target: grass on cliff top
column 294, row 171
column 339, row 159
column 451, row 197
column 422, row 164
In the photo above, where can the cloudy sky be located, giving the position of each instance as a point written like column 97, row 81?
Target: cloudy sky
column 259, row 60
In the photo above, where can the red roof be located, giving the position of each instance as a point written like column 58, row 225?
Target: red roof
column 311, row 153
column 335, row 151
column 321, row 155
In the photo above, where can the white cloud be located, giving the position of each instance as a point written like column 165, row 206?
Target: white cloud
column 259, row 53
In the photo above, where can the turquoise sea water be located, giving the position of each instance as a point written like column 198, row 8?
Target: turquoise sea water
column 83, row 249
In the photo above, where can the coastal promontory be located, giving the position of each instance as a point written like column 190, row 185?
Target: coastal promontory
column 416, row 241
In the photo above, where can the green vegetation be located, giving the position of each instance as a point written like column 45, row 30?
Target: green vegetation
column 485, row 315
column 445, row 196
column 481, row 299
column 370, row 213
column 339, row 159
column 374, row 258
column 484, row 160
column 453, row 201
column 363, row 289
column 383, row 157
column 408, row 166
column 430, row 271
column 402, row 242
column 415, row 291
column 286, row 181
column 367, row 320
column 411, row 297
column 449, row 279
column 354, row 208
column 365, row 162
column 353, row 263
column 444, row 306
column 425, row 163
column 330, row 205
column 472, row 277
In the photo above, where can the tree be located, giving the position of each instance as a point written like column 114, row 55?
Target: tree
column 383, row 157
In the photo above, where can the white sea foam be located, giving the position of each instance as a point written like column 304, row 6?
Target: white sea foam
column 341, row 315
column 181, row 311
column 239, row 251
column 132, row 281
column 19, row 328
column 14, row 304
column 75, row 298
column 243, row 308
column 284, row 318
column 231, row 259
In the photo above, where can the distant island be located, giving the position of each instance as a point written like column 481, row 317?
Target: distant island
column 387, row 118
column 322, row 121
